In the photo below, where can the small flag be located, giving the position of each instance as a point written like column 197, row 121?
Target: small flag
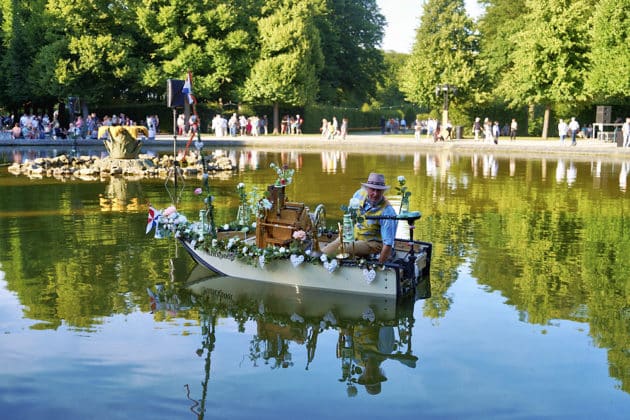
column 152, row 219
column 187, row 89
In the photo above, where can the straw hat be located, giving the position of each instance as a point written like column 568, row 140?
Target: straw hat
column 376, row 181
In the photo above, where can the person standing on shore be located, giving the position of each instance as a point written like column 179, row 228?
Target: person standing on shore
column 476, row 128
column 563, row 128
column 417, row 129
column 574, row 127
column 625, row 131
column 513, row 128
column 496, row 132
column 344, row 128
column 487, row 130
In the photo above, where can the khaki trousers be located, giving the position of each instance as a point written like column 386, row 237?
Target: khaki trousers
column 358, row 248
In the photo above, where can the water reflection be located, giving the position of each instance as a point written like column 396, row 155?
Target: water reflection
column 437, row 165
column 553, row 252
column 333, row 161
column 122, row 194
column 370, row 329
column 623, row 175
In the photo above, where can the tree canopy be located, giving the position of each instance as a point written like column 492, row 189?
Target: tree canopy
column 560, row 55
column 443, row 53
column 124, row 50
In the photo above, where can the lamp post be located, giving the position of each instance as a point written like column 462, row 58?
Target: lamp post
column 445, row 89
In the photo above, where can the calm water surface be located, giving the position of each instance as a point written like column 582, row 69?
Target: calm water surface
column 529, row 314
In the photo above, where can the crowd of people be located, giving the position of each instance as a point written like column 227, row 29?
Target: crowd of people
column 393, row 125
column 41, row 126
column 331, row 130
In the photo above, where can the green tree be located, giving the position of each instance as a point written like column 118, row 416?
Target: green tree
column 501, row 20
column 211, row 38
column 287, row 70
column 21, row 38
column 609, row 78
column 388, row 90
column 351, row 32
column 551, row 58
column 444, row 53
column 95, row 47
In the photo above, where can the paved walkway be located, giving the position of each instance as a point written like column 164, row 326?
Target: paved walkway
column 375, row 143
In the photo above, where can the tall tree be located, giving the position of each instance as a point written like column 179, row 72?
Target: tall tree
column 551, row 57
column 95, row 48
column 501, row 20
column 609, row 78
column 287, row 70
column 388, row 90
column 443, row 53
column 211, row 38
column 21, row 39
column 351, row 33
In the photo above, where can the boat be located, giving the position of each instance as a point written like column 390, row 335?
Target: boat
column 284, row 246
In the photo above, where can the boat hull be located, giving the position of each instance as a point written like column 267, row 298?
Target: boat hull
column 286, row 300
column 345, row 278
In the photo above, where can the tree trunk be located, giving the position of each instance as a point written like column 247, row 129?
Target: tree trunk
column 545, row 128
column 531, row 114
column 276, row 117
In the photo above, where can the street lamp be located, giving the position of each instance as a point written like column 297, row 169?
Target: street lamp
column 445, row 89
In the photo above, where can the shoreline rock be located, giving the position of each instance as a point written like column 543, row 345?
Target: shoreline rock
column 93, row 167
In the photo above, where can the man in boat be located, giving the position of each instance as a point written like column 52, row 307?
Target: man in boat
column 372, row 236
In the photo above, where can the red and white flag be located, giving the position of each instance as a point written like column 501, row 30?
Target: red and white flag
column 152, row 219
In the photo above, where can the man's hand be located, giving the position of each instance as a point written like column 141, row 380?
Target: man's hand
column 385, row 253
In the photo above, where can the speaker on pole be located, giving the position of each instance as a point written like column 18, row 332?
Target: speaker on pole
column 174, row 96
column 603, row 115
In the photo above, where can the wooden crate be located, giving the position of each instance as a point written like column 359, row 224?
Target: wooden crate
column 281, row 221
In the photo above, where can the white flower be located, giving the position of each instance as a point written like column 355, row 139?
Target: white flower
column 240, row 185
column 214, row 242
column 261, row 261
column 323, row 258
column 282, row 250
column 355, row 203
column 226, row 226
column 267, row 205
column 401, row 178
column 254, row 225
column 244, row 250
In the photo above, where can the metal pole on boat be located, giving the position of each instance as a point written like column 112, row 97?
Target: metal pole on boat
column 175, row 148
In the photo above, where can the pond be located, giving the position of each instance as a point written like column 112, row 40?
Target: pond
column 527, row 314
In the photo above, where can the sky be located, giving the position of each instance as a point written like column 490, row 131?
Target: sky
column 403, row 18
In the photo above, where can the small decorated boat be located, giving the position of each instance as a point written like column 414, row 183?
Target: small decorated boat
column 284, row 245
